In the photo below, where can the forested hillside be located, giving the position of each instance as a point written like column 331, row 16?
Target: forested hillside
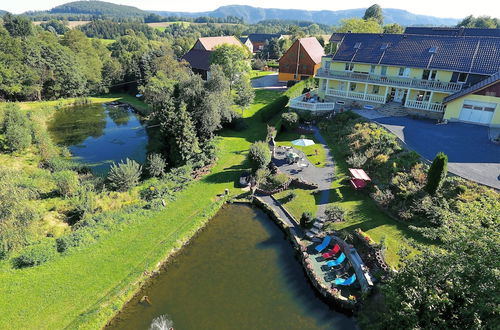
column 253, row 15
column 98, row 8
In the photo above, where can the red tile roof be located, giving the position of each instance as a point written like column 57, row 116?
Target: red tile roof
column 312, row 46
column 209, row 43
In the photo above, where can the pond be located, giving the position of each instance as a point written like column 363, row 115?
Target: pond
column 99, row 135
column 238, row 273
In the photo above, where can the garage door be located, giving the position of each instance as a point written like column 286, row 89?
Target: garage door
column 477, row 112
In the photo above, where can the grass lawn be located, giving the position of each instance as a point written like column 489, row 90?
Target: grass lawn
column 304, row 202
column 85, row 288
column 319, row 160
column 254, row 74
column 365, row 214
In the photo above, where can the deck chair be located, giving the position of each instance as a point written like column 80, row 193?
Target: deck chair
column 337, row 261
column 323, row 244
column 332, row 252
column 348, row 281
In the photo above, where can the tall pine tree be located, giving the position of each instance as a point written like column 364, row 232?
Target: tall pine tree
column 437, row 173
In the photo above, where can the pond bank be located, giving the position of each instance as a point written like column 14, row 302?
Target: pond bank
column 215, row 282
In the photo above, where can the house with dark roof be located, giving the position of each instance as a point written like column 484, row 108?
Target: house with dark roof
column 302, row 60
column 258, row 40
column 443, row 73
column 199, row 56
column 246, row 41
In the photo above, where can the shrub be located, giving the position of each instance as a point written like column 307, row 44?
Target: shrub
column 382, row 197
column 17, row 137
column 437, row 173
column 259, row 155
column 35, row 255
column 356, row 160
column 83, row 202
column 290, row 120
column 381, row 159
column 334, row 213
column 259, row 64
column 290, row 197
column 67, row 182
column 273, row 108
column 279, row 179
column 125, row 175
column 155, row 165
column 16, row 128
column 306, row 219
column 77, row 238
column 58, row 164
column 290, row 83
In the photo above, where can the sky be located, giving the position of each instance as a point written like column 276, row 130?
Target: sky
column 440, row 8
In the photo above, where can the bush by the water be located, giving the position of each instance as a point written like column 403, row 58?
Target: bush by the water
column 290, row 120
column 84, row 202
column 16, row 128
column 155, row 165
column 67, row 182
column 35, row 255
column 125, row 175
column 306, row 219
column 259, row 155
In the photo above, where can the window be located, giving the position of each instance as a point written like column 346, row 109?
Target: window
column 383, row 71
column 494, row 94
column 349, row 66
column 462, row 77
column 376, row 89
column 340, row 102
column 433, row 50
column 353, row 87
column 404, row 72
column 429, row 75
column 261, row 47
column 372, row 69
column 342, row 86
column 384, row 46
column 423, row 96
column 327, row 65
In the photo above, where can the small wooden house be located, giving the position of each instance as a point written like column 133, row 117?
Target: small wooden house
column 302, row 60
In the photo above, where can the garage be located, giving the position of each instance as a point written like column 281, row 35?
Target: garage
column 477, row 112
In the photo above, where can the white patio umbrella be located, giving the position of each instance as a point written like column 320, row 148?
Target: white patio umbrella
column 303, row 142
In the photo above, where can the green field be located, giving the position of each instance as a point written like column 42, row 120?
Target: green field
column 254, row 74
column 84, row 289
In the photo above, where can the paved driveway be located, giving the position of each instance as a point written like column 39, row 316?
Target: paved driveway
column 470, row 153
column 269, row 82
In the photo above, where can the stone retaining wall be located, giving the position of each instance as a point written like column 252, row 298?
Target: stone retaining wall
column 331, row 295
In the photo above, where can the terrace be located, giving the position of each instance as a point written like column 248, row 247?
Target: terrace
column 407, row 82
column 311, row 101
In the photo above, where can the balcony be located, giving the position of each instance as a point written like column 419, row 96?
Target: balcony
column 427, row 106
column 356, row 96
column 312, row 104
column 441, row 86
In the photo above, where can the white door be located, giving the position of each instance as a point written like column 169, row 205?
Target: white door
column 477, row 112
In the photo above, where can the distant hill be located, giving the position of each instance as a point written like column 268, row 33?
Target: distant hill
column 2, row 12
column 97, row 8
column 253, row 15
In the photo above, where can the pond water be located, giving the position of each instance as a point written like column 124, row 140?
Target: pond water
column 239, row 273
column 99, row 135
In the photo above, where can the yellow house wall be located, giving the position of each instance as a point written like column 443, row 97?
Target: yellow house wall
column 337, row 66
column 438, row 97
column 362, row 68
column 444, row 76
column 416, row 73
column 453, row 108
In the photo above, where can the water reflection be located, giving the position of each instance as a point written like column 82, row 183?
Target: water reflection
column 100, row 135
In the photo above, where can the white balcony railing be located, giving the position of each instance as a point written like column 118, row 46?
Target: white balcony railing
column 428, row 106
column 392, row 81
column 356, row 95
column 299, row 103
